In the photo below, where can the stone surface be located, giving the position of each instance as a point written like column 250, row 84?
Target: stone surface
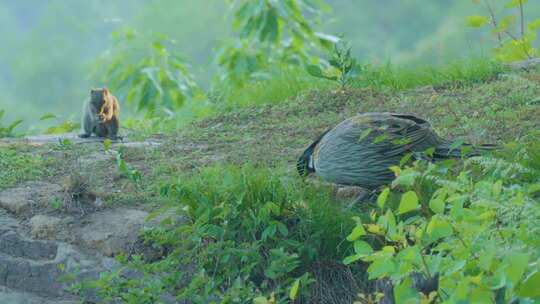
column 13, row 245
column 526, row 64
column 46, row 227
column 350, row 192
column 112, row 231
column 9, row 296
column 29, row 266
column 28, row 197
column 141, row 144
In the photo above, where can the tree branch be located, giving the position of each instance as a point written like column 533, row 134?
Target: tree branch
column 493, row 19
column 522, row 18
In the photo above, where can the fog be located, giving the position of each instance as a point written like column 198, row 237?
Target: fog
column 50, row 48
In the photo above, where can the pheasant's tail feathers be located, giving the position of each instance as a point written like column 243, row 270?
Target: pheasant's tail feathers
column 464, row 150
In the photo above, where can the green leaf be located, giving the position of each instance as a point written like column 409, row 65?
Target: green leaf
column 365, row 134
column 294, row 290
column 411, row 254
column 534, row 25
column 282, row 229
column 477, row 21
column 260, row 300
column 437, row 205
column 357, row 232
column 352, row 258
column 529, row 287
column 517, row 264
column 315, row 70
column 497, row 188
column 438, row 228
column 48, row 116
column 505, row 24
column 405, row 178
column 362, row 248
column 404, row 293
column 515, row 3
column 381, row 268
column 107, row 144
column 409, row 202
column 382, row 198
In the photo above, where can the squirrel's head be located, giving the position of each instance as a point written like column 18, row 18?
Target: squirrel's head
column 99, row 99
column 96, row 98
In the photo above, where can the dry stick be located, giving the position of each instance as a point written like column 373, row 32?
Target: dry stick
column 493, row 20
column 494, row 24
column 522, row 18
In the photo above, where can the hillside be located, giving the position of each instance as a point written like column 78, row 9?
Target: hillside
column 68, row 205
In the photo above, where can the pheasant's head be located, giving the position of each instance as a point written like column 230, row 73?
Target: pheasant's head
column 305, row 164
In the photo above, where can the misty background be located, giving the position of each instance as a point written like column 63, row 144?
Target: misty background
column 49, row 49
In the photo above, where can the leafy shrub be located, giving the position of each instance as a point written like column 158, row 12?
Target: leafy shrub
column 7, row 130
column 61, row 126
column 472, row 229
column 343, row 67
column 511, row 46
column 250, row 234
column 271, row 33
column 147, row 73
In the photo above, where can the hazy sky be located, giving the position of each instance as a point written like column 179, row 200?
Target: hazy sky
column 51, row 47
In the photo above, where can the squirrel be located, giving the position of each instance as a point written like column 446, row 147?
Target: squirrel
column 101, row 115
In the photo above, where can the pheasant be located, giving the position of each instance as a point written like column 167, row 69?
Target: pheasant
column 360, row 150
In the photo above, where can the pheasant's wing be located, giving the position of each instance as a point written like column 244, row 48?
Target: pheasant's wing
column 392, row 134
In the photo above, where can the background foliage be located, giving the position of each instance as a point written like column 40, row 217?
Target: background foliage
column 53, row 46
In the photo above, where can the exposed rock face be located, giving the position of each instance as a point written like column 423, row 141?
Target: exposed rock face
column 35, row 254
column 15, row 297
column 46, row 227
column 30, row 270
column 28, row 197
column 112, row 231
column 40, row 243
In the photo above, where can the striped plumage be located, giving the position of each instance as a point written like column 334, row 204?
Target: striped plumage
column 360, row 150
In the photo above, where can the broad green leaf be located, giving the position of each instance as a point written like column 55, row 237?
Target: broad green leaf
column 357, row 232
column 260, row 300
column 365, row 134
column 409, row 202
column 515, row 3
column 48, row 116
column 529, row 287
column 107, row 144
column 534, row 25
column 294, row 290
column 438, row 228
column 477, row 21
column 314, row 70
column 404, row 293
column 390, row 221
column 282, row 229
column 505, row 24
column 517, row 264
column 269, row 32
column 382, row 198
column 486, row 258
column 411, row 254
column 381, row 268
column 437, row 205
column 352, row 258
column 362, row 248
column 405, row 178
